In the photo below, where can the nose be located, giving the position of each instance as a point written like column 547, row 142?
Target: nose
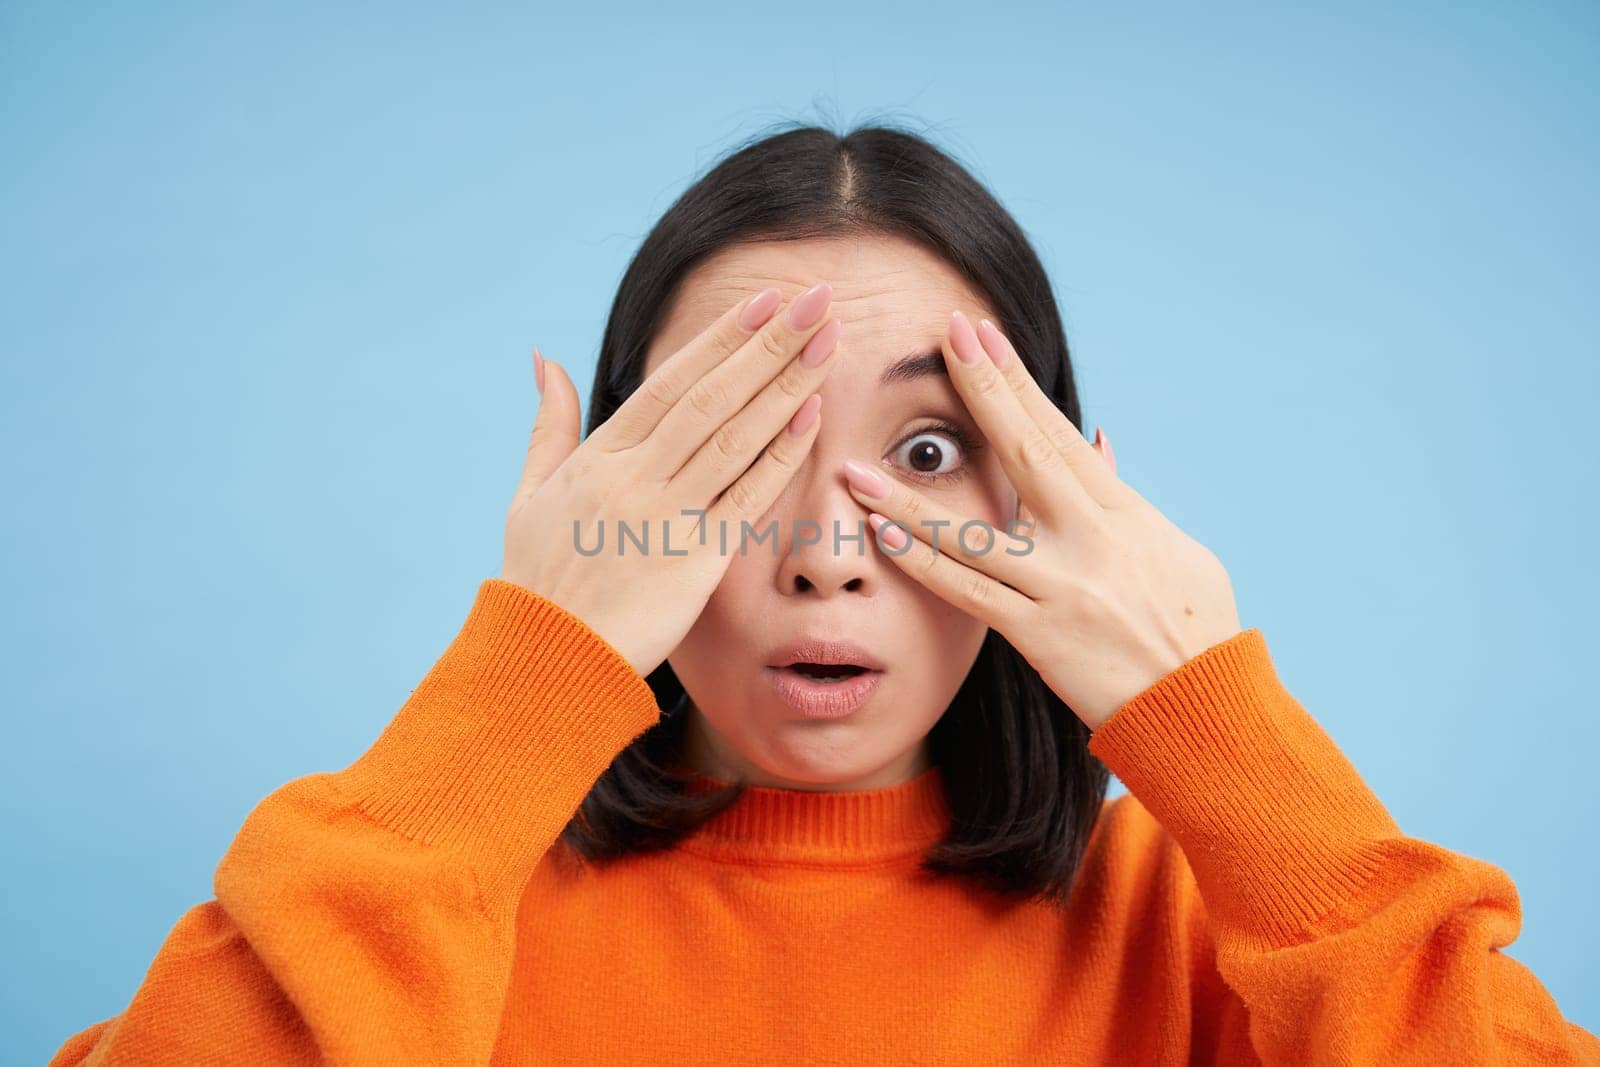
column 828, row 546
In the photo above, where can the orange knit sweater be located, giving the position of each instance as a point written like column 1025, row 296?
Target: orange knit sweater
column 1249, row 900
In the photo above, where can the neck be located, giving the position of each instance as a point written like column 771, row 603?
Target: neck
column 829, row 828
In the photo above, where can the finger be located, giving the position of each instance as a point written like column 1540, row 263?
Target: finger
column 747, row 499
column 978, row 595
column 637, row 416
column 556, row 428
column 725, row 390
column 1032, row 461
column 736, row 442
column 995, row 552
column 1099, row 479
column 1103, row 441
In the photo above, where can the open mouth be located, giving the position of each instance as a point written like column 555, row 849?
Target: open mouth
column 825, row 690
column 827, row 672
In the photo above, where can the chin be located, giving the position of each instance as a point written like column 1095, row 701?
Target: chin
column 806, row 767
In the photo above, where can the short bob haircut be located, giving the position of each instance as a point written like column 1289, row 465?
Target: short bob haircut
column 1023, row 789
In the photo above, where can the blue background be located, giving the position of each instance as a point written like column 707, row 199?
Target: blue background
column 271, row 281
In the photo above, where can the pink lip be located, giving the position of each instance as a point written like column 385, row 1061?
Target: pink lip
column 822, row 700
column 809, row 648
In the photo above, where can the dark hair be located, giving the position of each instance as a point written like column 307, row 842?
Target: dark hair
column 1024, row 791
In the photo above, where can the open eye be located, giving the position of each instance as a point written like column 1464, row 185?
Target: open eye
column 935, row 453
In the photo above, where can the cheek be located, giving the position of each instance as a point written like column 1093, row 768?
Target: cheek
column 996, row 500
column 702, row 656
column 956, row 632
column 740, row 586
column 986, row 497
column 950, row 643
column 956, row 636
column 949, row 636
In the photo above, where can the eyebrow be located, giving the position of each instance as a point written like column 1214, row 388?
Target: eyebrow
column 921, row 365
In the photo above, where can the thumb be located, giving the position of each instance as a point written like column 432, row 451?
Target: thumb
column 557, row 427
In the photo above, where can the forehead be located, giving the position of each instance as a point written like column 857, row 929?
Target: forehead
column 888, row 291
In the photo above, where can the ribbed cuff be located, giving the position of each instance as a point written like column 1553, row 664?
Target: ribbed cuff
column 1276, row 823
column 495, row 749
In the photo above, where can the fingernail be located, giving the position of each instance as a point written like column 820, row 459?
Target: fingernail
column 994, row 342
column 963, row 340
column 760, row 308
column 893, row 536
column 866, row 481
column 820, row 345
column 802, row 419
column 538, row 369
column 1111, row 456
column 810, row 305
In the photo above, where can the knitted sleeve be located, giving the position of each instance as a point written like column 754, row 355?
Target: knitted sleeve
column 1342, row 939
column 367, row 915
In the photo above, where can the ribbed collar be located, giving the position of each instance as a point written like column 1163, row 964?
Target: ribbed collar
column 864, row 827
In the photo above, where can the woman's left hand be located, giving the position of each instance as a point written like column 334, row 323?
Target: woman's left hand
column 1111, row 596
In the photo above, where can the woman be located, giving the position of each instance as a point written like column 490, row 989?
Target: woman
column 783, row 735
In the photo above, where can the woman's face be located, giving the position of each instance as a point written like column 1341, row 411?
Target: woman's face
column 893, row 300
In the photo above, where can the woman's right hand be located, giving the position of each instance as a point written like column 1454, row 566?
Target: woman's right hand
column 690, row 437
